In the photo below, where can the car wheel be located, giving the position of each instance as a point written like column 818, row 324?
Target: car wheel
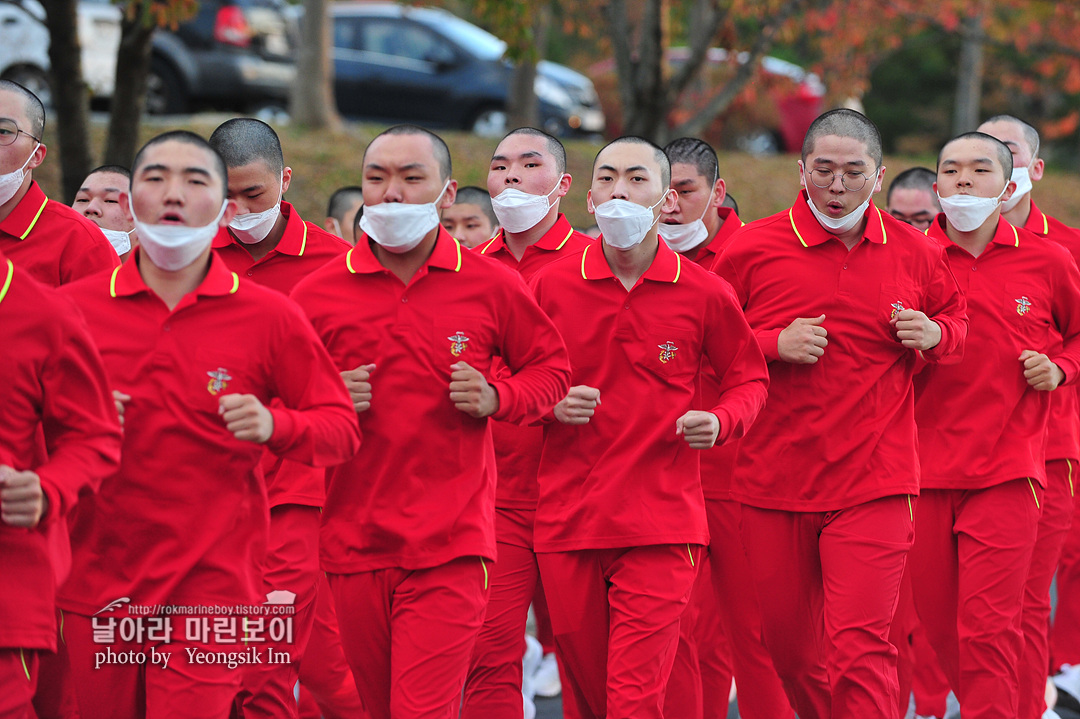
column 165, row 94
column 33, row 79
column 489, row 122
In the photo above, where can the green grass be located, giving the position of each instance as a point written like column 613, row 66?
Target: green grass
column 322, row 162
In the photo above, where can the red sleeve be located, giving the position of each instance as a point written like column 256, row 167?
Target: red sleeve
column 947, row 306
column 536, row 355
column 317, row 424
column 1066, row 312
column 82, row 431
column 733, row 352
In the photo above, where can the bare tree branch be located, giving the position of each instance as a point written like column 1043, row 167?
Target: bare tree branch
column 745, row 71
column 704, row 26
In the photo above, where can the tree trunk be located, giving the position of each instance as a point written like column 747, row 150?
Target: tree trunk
column 312, row 102
column 970, row 75
column 129, row 93
column 523, row 108
column 71, row 99
column 647, row 115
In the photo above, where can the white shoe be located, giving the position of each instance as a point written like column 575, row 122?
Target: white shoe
column 534, row 655
column 530, row 708
column 546, row 679
column 920, row 716
column 1050, row 714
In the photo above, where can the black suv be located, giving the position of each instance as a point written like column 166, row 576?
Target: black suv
column 234, row 53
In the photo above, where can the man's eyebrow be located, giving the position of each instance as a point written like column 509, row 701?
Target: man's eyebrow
column 196, row 170
column 252, row 188
column 826, row 161
column 401, row 168
column 681, row 183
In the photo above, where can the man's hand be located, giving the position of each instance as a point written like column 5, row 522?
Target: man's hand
column 915, row 330
column 578, row 406
column 803, row 341
column 246, row 417
column 120, row 399
column 22, row 502
column 471, row 393
column 358, row 382
column 699, row 429
column 1040, row 372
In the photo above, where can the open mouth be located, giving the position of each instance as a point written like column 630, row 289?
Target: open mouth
column 171, row 218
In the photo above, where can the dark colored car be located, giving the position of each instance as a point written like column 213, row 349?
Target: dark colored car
column 394, row 63
column 236, row 54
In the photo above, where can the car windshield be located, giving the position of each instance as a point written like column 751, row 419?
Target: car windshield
column 480, row 42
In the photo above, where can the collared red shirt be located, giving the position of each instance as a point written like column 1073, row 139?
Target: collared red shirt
column 421, row 491
column 1063, row 429
column 706, row 256
column 625, row 478
column 185, row 519
column 839, row 432
column 53, row 242
column 303, row 248
column 517, row 447
column 980, row 423
column 52, row 378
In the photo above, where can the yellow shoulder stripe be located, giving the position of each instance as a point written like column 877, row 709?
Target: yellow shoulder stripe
column 36, row 217
column 583, row 256
column 7, row 282
column 235, row 283
column 112, row 283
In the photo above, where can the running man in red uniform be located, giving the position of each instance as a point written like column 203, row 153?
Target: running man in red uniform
column 620, row 523
column 414, row 321
column 720, row 632
column 269, row 242
column 982, row 428
column 196, row 355
column 53, row 379
column 1063, row 440
column 843, row 299
column 528, row 180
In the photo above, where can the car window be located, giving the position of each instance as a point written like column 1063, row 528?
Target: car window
column 347, row 33
column 404, row 40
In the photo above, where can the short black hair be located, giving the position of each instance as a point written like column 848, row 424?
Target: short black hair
column 692, row 151
column 844, row 123
column 658, row 154
column 1031, row 135
column 914, row 178
column 473, row 195
column 115, row 169
column 35, row 111
column 555, row 146
column 1003, row 151
column 243, row 140
column 342, row 198
column 441, row 151
column 189, row 138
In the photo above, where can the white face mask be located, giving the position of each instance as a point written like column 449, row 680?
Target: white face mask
column 1022, row 177
column 967, row 212
column 10, row 183
column 519, row 211
column 253, row 227
column 683, row 238
column 399, row 227
column 174, row 247
column 840, row 224
column 624, row 224
column 120, row 240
